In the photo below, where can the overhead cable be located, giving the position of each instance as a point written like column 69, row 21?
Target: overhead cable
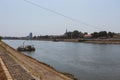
column 55, row 12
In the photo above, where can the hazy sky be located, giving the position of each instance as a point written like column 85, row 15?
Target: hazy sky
column 19, row 18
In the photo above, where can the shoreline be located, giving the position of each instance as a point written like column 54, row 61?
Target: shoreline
column 103, row 41
column 18, row 56
column 96, row 41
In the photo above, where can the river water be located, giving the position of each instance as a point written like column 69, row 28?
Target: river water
column 84, row 60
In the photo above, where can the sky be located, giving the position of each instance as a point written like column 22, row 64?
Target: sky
column 19, row 18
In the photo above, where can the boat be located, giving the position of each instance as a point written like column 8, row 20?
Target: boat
column 26, row 48
column 55, row 40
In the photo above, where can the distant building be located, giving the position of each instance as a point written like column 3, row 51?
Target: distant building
column 30, row 35
column 87, row 36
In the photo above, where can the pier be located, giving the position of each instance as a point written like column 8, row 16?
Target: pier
column 15, row 65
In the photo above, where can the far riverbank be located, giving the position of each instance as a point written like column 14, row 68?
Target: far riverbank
column 103, row 41
column 96, row 41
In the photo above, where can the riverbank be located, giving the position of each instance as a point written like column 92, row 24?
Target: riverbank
column 103, row 41
column 37, row 69
column 96, row 41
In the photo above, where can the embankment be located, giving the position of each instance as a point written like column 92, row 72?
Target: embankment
column 37, row 69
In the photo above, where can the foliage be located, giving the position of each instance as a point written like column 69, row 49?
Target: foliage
column 102, row 34
column 111, row 34
column 74, row 35
column 85, row 33
column 0, row 38
column 95, row 35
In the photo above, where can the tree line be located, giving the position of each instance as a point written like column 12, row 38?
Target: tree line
column 71, row 35
column 103, row 34
column 77, row 34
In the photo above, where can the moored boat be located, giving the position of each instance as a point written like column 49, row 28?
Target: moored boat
column 26, row 48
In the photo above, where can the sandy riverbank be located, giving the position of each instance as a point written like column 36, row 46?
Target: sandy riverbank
column 37, row 69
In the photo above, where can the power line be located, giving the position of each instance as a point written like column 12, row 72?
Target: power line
column 55, row 12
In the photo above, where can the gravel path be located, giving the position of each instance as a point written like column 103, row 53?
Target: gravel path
column 16, row 71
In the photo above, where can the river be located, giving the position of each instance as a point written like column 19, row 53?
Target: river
column 84, row 60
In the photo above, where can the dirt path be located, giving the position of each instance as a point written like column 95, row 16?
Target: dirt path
column 16, row 71
column 32, row 66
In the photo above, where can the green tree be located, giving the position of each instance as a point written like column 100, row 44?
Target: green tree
column 110, row 34
column 81, row 35
column 103, row 34
column 75, row 34
column 95, row 35
column 0, row 38
column 69, row 35
column 85, row 33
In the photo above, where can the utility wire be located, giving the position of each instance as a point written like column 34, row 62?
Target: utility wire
column 55, row 12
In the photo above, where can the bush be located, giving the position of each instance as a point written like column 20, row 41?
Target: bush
column 0, row 38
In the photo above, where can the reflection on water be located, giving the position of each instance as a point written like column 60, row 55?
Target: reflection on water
column 85, row 61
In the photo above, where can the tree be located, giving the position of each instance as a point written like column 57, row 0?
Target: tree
column 85, row 33
column 75, row 34
column 103, row 34
column 68, row 35
column 110, row 34
column 0, row 38
column 81, row 35
column 95, row 35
